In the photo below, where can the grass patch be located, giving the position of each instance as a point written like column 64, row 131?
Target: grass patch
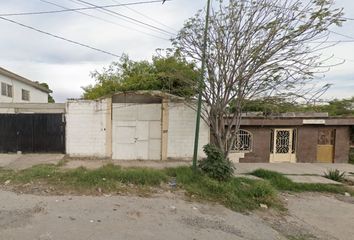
column 239, row 194
column 282, row 183
column 107, row 178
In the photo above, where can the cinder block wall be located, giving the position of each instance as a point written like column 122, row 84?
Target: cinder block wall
column 181, row 132
column 86, row 128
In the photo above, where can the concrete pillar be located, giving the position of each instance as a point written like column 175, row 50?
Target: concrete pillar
column 164, row 128
column 109, row 130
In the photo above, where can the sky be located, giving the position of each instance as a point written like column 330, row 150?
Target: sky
column 66, row 67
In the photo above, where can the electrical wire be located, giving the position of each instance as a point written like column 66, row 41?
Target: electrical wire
column 77, row 9
column 61, row 38
column 146, row 16
column 135, row 21
column 107, row 21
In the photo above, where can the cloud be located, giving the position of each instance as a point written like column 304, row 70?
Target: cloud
column 66, row 67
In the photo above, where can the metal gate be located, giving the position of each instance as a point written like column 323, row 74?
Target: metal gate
column 283, row 145
column 32, row 133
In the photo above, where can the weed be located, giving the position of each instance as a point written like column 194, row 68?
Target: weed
column 282, row 183
column 335, row 175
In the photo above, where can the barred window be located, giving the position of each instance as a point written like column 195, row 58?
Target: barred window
column 25, row 95
column 243, row 141
column 6, row 89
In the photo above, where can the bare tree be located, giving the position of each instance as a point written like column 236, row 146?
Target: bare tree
column 257, row 48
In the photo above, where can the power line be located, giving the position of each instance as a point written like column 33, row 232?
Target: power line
column 77, row 9
column 105, row 20
column 59, row 37
column 146, row 16
column 129, row 18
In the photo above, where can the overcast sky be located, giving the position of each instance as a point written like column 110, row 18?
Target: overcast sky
column 66, row 67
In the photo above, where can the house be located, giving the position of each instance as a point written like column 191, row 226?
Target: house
column 153, row 125
column 17, row 89
column 298, row 137
column 142, row 125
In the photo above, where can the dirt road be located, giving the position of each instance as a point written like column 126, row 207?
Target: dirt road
column 168, row 216
column 29, row 217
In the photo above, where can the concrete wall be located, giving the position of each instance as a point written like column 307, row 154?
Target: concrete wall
column 307, row 144
column 261, row 145
column 181, row 129
column 88, row 128
column 36, row 96
column 11, row 108
column 342, row 145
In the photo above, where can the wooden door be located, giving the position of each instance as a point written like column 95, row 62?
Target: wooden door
column 325, row 145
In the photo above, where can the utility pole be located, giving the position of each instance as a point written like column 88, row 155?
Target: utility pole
column 200, row 87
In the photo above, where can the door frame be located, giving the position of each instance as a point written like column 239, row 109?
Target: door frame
column 290, row 156
column 326, row 150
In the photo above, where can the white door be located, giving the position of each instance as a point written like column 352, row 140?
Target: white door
column 283, row 146
column 136, row 132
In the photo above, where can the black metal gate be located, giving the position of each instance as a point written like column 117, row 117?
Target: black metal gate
column 32, row 133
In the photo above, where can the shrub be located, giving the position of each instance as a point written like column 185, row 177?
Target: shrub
column 335, row 175
column 215, row 165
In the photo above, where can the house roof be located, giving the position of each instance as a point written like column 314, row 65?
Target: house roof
column 297, row 121
column 144, row 96
column 19, row 78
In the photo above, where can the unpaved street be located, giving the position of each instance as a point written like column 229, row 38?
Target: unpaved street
column 168, row 216
column 29, row 217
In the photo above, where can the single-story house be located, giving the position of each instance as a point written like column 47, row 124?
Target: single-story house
column 306, row 138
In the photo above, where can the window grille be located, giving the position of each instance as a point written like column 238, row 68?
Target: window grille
column 25, row 95
column 243, row 142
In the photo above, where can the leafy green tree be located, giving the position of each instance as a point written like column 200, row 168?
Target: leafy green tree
column 171, row 74
column 50, row 97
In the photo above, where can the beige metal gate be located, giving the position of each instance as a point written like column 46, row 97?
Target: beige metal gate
column 136, row 131
column 283, row 147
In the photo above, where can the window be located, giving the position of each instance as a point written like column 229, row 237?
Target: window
column 243, row 142
column 25, row 95
column 6, row 90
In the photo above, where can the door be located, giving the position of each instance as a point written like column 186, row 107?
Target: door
column 136, row 132
column 325, row 145
column 283, row 147
column 32, row 133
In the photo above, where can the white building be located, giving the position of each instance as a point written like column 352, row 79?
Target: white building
column 133, row 126
column 17, row 89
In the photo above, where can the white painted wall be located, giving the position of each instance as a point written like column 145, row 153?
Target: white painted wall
column 136, row 131
column 181, row 132
column 86, row 128
column 36, row 96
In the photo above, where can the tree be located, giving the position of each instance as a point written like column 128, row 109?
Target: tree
column 257, row 49
column 50, row 97
column 170, row 73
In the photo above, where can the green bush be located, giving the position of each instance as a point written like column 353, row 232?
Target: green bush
column 215, row 165
column 335, row 175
